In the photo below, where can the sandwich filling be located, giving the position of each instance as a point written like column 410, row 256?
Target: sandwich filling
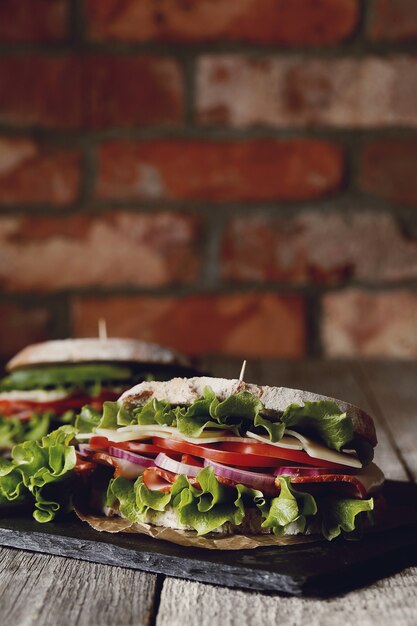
column 214, row 464
column 35, row 400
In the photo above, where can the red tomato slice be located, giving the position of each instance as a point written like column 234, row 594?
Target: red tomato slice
column 205, row 452
column 191, row 460
column 99, row 443
column 138, row 446
column 102, row 443
column 11, row 407
column 244, row 455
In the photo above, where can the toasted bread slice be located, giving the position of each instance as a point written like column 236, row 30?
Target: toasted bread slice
column 95, row 350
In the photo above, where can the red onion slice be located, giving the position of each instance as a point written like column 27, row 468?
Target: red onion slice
column 165, row 462
column 256, row 480
column 125, row 455
column 308, row 471
column 84, row 450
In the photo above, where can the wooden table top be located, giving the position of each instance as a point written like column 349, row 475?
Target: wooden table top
column 49, row 590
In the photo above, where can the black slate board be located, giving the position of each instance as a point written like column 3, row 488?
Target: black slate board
column 319, row 569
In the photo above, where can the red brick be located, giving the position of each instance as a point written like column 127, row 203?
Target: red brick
column 38, row 90
column 306, row 248
column 21, row 23
column 388, row 168
column 94, row 91
column 323, row 22
column 295, row 91
column 34, row 172
column 133, row 91
column 112, row 249
column 360, row 323
column 394, row 20
column 21, row 324
column 261, row 324
column 263, row 169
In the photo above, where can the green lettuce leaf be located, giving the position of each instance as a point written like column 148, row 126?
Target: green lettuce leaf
column 206, row 412
column 88, row 419
column 115, row 415
column 88, row 378
column 204, row 509
column 229, row 414
column 12, row 488
column 275, row 430
column 289, row 507
column 13, row 430
column 323, row 419
column 343, row 515
column 363, row 448
column 134, row 498
column 41, row 463
column 48, row 460
column 122, row 491
column 154, row 412
column 209, row 507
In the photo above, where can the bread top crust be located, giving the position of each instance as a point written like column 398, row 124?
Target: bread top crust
column 93, row 350
column 187, row 390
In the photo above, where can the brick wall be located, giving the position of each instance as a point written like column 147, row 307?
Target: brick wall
column 221, row 176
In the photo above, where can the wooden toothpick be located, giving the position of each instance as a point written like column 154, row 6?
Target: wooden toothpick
column 102, row 328
column 242, row 371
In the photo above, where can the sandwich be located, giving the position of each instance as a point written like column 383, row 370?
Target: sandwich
column 206, row 457
column 219, row 457
column 48, row 383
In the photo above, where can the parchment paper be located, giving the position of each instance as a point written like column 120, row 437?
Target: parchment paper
column 190, row 538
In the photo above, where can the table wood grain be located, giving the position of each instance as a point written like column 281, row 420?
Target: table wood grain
column 49, row 590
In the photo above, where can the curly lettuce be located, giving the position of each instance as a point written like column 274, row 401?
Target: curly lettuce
column 87, row 378
column 209, row 504
column 204, row 507
column 87, row 420
column 206, row 412
column 39, row 472
column 343, row 516
column 289, row 507
column 14, row 431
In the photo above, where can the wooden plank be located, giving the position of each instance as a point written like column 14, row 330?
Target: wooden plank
column 40, row 589
column 390, row 601
column 392, row 388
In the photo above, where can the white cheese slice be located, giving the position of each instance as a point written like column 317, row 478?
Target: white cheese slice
column 145, row 432
column 86, row 436
column 371, row 477
column 137, row 428
column 34, row 395
column 119, row 437
column 319, row 451
column 213, row 439
column 286, row 442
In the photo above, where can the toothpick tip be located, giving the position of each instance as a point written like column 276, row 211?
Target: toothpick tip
column 242, row 371
column 102, row 328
